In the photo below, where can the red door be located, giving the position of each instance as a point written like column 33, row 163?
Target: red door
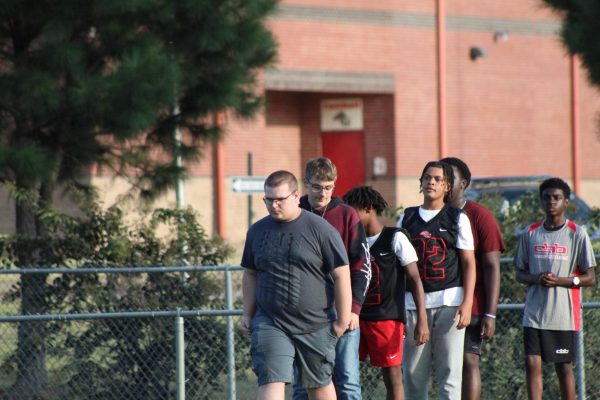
column 346, row 150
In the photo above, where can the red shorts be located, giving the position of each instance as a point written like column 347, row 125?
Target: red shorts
column 382, row 341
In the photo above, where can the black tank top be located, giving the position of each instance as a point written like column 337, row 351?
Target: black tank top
column 435, row 243
column 385, row 296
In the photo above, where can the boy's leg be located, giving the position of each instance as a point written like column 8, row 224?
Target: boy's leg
column 315, row 356
column 448, row 351
column 471, row 383
column 392, row 378
column 566, row 379
column 346, row 372
column 299, row 393
column 382, row 342
column 322, row 393
column 533, row 365
column 532, row 342
column 416, row 361
column 272, row 353
column 271, row 391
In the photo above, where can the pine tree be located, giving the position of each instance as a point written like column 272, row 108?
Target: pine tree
column 106, row 82
column 580, row 32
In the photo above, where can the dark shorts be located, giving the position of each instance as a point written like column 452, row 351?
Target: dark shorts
column 473, row 340
column 382, row 341
column 274, row 352
column 553, row 346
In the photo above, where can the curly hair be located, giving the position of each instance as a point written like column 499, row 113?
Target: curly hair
column 365, row 198
column 556, row 183
column 462, row 167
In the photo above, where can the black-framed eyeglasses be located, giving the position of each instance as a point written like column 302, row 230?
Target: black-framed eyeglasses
column 319, row 188
column 278, row 200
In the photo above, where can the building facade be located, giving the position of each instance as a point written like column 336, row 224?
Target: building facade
column 384, row 86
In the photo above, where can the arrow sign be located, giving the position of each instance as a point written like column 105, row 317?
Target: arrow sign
column 248, row 184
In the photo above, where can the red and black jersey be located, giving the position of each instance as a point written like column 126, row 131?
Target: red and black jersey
column 435, row 243
column 385, row 296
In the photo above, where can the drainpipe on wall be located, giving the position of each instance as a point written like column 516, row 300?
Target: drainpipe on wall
column 575, row 157
column 219, row 181
column 441, row 69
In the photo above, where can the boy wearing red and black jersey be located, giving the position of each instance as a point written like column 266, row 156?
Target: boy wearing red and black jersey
column 393, row 263
column 443, row 240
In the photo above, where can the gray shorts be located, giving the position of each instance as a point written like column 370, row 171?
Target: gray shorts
column 274, row 351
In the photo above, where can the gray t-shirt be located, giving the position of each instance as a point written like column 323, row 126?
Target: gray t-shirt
column 565, row 252
column 293, row 261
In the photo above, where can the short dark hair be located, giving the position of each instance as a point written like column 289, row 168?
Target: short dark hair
column 365, row 198
column 462, row 167
column 280, row 177
column 321, row 169
column 448, row 175
column 556, row 183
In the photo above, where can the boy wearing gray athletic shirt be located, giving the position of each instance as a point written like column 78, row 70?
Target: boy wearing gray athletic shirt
column 554, row 258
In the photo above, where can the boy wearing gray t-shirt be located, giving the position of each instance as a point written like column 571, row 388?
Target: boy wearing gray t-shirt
column 554, row 258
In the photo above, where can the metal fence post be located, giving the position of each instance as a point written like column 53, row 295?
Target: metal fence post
column 580, row 357
column 230, row 337
column 180, row 356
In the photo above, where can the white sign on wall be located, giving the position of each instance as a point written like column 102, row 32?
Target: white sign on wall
column 344, row 114
column 248, row 184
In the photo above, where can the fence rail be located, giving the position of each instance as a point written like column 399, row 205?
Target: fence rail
column 193, row 352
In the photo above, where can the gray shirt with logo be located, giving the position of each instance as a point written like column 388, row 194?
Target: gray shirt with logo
column 566, row 252
column 293, row 261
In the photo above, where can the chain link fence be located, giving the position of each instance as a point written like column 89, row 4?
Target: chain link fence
column 153, row 351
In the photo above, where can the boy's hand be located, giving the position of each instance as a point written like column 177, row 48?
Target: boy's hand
column 548, row 279
column 463, row 313
column 246, row 320
column 421, row 332
column 488, row 327
column 339, row 328
column 354, row 322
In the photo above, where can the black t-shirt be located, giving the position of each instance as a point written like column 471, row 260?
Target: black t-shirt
column 293, row 261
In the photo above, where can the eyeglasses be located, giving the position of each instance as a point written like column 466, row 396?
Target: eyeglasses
column 278, row 200
column 318, row 188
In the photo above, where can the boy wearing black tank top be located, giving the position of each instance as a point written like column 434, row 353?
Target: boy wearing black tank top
column 442, row 237
column 382, row 317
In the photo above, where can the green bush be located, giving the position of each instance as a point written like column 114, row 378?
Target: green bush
column 125, row 355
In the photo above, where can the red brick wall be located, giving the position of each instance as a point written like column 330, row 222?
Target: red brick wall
column 507, row 113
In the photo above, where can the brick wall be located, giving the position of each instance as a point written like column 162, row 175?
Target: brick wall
column 507, row 113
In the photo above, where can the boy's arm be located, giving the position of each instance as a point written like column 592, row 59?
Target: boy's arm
column 523, row 276
column 588, row 278
column 491, row 284
column 248, row 297
column 549, row 279
column 343, row 298
column 467, row 260
column 359, row 266
column 416, row 288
